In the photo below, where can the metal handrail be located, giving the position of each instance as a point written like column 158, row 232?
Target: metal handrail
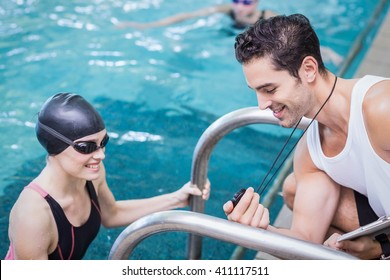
column 276, row 244
column 206, row 143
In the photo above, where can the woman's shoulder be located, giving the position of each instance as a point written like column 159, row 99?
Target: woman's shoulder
column 30, row 221
column 32, row 235
column 32, row 206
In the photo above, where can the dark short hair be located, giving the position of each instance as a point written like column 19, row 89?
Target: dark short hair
column 286, row 40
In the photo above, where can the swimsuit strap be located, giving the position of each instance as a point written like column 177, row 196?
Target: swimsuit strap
column 72, row 241
column 93, row 196
column 64, row 228
column 37, row 188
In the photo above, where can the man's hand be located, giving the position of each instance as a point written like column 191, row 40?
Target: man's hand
column 248, row 211
column 363, row 247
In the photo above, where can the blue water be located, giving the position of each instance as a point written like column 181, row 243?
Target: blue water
column 157, row 90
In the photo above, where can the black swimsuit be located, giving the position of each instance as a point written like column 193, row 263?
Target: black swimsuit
column 73, row 241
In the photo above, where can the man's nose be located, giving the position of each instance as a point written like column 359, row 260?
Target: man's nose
column 263, row 102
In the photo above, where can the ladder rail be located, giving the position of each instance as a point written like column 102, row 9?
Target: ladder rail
column 276, row 244
column 204, row 147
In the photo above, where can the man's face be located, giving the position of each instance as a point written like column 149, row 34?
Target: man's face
column 278, row 91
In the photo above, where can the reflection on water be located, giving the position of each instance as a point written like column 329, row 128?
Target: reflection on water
column 157, row 89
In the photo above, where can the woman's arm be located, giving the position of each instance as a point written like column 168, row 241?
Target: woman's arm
column 124, row 212
column 225, row 8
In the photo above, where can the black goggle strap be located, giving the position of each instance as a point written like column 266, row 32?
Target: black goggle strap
column 76, row 145
column 56, row 134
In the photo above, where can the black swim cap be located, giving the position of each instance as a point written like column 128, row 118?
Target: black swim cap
column 70, row 115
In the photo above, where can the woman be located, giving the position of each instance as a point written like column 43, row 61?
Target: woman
column 70, row 198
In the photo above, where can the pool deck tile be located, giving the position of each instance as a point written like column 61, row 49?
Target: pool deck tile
column 377, row 59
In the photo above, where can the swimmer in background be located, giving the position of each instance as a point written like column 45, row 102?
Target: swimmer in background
column 59, row 213
column 243, row 13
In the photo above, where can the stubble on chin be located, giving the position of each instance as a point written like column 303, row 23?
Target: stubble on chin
column 290, row 121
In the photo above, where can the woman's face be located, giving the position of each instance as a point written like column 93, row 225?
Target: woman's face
column 84, row 166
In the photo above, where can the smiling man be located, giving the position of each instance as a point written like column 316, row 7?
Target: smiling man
column 342, row 164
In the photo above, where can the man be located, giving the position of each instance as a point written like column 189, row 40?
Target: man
column 342, row 163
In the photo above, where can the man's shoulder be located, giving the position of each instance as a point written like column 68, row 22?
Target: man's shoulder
column 378, row 94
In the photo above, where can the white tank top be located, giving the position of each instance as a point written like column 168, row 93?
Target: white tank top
column 357, row 166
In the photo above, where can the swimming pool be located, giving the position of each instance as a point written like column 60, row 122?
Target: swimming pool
column 157, row 90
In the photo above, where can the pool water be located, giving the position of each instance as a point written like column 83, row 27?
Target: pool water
column 157, row 90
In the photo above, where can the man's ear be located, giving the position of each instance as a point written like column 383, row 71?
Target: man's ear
column 309, row 68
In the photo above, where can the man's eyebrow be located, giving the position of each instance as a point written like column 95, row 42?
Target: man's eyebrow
column 261, row 86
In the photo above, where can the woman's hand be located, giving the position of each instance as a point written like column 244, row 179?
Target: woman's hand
column 183, row 194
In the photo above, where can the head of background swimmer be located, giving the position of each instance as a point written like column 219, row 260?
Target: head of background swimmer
column 64, row 118
column 243, row 8
column 245, row 2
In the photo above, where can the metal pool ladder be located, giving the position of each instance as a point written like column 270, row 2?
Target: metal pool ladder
column 206, row 143
column 253, row 238
column 199, row 224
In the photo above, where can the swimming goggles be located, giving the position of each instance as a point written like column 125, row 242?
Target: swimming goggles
column 244, row 2
column 83, row 147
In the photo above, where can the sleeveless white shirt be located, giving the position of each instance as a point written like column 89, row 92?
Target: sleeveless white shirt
column 357, row 166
